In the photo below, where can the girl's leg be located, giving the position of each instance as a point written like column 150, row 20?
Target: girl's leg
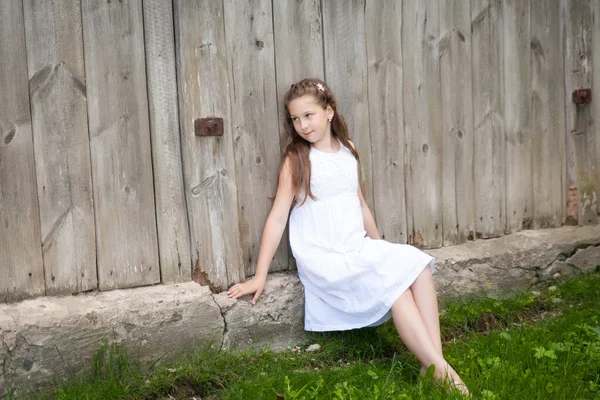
column 413, row 332
column 423, row 290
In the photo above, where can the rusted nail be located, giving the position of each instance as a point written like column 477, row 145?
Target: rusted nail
column 581, row 96
column 212, row 126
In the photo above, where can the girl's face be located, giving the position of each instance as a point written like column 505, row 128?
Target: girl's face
column 310, row 119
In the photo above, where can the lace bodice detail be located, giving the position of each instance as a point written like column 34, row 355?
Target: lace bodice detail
column 333, row 174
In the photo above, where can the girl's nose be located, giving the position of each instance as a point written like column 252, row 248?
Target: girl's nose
column 303, row 124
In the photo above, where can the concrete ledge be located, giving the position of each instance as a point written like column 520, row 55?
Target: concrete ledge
column 276, row 321
column 515, row 261
column 49, row 336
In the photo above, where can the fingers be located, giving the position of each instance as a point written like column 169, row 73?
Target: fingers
column 236, row 291
column 256, row 296
column 242, row 289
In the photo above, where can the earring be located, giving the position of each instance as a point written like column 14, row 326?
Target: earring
column 330, row 119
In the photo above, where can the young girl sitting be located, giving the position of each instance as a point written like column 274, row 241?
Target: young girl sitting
column 351, row 277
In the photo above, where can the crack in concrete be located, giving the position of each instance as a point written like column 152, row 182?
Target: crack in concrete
column 581, row 246
column 6, row 350
column 557, row 258
column 212, row 296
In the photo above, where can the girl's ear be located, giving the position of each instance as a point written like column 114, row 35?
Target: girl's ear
column 330, row 112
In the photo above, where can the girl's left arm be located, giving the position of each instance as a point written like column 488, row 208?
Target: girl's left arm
column 368, row 219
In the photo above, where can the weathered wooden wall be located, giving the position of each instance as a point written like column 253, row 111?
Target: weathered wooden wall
column 461, row 111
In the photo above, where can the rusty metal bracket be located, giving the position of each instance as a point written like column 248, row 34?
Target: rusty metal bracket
column 581, row 96
column 208, row 126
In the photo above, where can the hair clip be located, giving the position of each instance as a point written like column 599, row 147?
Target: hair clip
column 320, row 87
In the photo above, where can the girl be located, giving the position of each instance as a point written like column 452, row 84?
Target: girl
column 352, row 279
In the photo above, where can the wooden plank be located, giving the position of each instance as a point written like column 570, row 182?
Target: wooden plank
column 488, row 118
column 422, row 117
column 547, row 114
column 517, row 111
column 249, row 37
column 209, row 165
column 127, row 247
column 21, row 267
column 60, row 129
column 346, row 75
column 458, row 209
column 383, row 28
column 171, row 213
column 580, row 147
column 596, row 95
column 298, row 23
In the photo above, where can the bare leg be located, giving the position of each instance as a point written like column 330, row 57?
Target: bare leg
column 423, row 290
column 413, row 332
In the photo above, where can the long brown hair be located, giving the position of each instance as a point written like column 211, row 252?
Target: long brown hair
column 297, row 149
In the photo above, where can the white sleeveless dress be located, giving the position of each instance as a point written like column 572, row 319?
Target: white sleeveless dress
column 350, row 280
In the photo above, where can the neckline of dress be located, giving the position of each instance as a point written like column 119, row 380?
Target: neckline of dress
column 326, row 152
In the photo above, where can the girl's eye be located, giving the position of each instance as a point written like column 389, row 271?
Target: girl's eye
column 308, row 115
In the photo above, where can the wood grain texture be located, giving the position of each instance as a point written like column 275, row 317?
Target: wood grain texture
column 596, row 95
column 517, row 114
column 171, row 212
column 547, row 114
column 456, row 79
column 209, row 164
column 249, row 37
column 346, row 75
column 383, row 27
column 422, row 121
column 21, row 267
column 298, row 23
column 580, row 147
column 488, row 118
column 127, row 248
column 62, row 152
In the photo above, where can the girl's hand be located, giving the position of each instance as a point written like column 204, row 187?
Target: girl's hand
column 254, row 285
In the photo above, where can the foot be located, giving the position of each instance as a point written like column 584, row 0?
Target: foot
column 461, row 387
column 455, row 380
column 452, row 377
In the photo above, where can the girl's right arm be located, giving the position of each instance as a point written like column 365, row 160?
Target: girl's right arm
column 271, row 236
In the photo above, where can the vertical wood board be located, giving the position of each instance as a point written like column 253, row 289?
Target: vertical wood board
column 126, row 237
column 596, row 95
column 62, row 152
column 547, row 114
column 249, row 37
column 383, row 30
column 209, row 165
column 488, row 118
column 21, row 267
column 422, row 117
column 517, row 108
column 171, row 213
column 580, row 147
column 298, row 23
column 457, row 122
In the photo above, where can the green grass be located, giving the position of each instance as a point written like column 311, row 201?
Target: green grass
column 522, row 347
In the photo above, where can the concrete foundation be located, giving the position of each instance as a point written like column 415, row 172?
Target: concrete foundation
column 50, row 336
